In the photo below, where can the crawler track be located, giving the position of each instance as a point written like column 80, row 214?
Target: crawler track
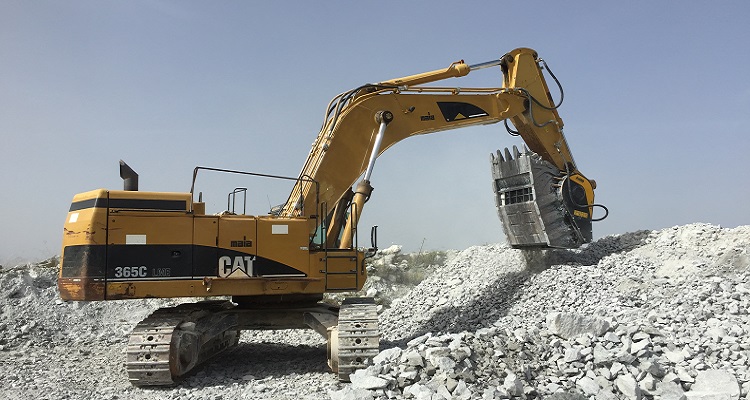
column 172, row 341
column 358, row 336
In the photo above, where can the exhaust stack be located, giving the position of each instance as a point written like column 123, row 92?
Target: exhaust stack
column 129, row 177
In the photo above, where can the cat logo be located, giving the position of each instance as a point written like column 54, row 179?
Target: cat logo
column 236, row 267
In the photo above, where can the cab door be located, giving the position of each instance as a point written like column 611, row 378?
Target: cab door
column 283, row 247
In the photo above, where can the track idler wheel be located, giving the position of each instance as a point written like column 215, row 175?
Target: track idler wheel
column 333, row 350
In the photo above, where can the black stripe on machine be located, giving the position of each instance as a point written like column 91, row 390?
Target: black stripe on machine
column 149, row 204
column 131, row 204
column 165, row 262
column 89, row 203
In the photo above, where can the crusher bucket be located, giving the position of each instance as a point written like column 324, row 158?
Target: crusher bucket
column 539, row 205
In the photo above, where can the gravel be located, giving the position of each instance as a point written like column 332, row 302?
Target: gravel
column 643, row 315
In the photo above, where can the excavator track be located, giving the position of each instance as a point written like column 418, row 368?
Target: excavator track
column 356, row 339
column 172, row 341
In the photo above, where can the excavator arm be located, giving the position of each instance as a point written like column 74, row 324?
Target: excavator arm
column 363, row 123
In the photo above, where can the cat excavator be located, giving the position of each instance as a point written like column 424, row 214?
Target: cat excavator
column 271, row 271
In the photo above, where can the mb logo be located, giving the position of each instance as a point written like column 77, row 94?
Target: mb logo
column 236, row 267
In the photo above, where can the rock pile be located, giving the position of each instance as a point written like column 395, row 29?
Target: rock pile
column 660, row 315
column 393, row 274
column 644, row 315
column 597, row 361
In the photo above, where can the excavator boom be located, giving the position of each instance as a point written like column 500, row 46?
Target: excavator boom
column 352, row 137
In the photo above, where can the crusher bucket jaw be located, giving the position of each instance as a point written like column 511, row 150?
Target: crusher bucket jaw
column 539, row 205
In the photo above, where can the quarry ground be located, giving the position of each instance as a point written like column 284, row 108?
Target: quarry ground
column 649, row 314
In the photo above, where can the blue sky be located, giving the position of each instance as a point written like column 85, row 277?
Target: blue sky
column 656, row 105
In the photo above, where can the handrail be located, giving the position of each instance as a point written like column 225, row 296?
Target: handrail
column 304, row 178
column 233, row 197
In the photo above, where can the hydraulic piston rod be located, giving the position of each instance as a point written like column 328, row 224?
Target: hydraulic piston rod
column 363, row 190
column 383, row 117
column 487, row 64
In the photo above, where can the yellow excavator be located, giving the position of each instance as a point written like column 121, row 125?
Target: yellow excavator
column 271, row 271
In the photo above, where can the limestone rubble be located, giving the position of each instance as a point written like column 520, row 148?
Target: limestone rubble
column 643, row 315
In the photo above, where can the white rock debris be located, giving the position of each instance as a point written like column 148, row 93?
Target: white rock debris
column 645, row 315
